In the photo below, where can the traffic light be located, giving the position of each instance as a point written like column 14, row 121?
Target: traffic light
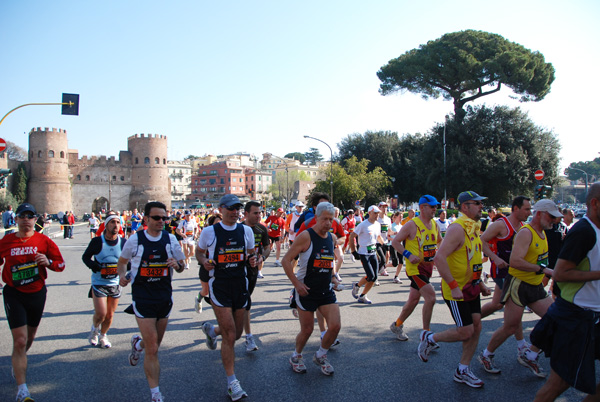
column 541, row 191
column 72, row 104
column 4, row 173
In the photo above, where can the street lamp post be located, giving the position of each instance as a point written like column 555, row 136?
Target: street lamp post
column 586, row 177
column 445, row 177
column 331, row 163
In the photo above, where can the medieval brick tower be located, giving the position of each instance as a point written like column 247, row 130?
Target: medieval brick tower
column 59, row 180
column 149, row 173
column 49, row 170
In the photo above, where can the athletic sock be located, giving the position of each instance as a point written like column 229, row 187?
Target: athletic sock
column 531, row 355
column 462, row 367
column 487, row 353
column 23, row 388
column 154, row 390
column 430, row 338
column 323, row 333
column 296, row 354
column 231, row 378
column 248, row 336
column 321, row 352
column 521, row 344
column 399, row 322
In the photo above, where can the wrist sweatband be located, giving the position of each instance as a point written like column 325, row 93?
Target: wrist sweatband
column 453, row 284
column 406, row 253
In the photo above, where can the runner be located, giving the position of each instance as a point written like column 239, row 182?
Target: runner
column 459, row 262
column 230, row 246
column 313, row 288
column 105, row 290
column 523, row 286
column 154, row 254
column 26, row 256
column 262, row 250
column 94, row 225
column 421, row 236
column 188, row 230
column 367, row 234
column 275, row 224
column 386, row 230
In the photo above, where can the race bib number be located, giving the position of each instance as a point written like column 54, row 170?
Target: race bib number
column 155, row 270
column 109, row 271
column 189, row 233
column 274, row 226
column 230, row 257
column 323, row 262
column 542, row 259
column 429, row 252
column 384, row 228
column 477, row 269
column 24, row 274
column 371, row 248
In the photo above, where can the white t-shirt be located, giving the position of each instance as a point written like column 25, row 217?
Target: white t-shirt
column 386, row 225
column 207, row 240
column 367, row 233
column 442, row 225
column 187, row 227
column 94, row 223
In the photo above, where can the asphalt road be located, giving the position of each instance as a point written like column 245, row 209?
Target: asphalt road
column 370, row 364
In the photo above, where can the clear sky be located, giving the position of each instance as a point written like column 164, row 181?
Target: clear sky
column 255, row 76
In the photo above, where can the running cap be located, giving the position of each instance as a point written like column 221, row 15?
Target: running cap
column 549, row 206
column 26, row 207
column 469, row 196
column 187, row 212
column 111, row 218
column 229, row 200
column 300, row 204
column 373, row 208
column 429, row 200
column 382, row 203
column 178, row 213
column 350, row 211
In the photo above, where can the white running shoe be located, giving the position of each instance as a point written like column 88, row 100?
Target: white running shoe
column 260, row 275
column 157, row 397
column 93, row 338
column 134, row 356
column 104, row 342
column 198, row 304
column 250, row 344
column 235, row 391
column 211, row 342
column 397, row 280
column 24, row 396
column 326, row 367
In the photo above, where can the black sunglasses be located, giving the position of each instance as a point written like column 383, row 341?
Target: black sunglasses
column 26, row 216
column 234, row 208
column 159, row 218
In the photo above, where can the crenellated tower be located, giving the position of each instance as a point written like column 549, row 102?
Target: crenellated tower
column 149, row 172
column 49, row 187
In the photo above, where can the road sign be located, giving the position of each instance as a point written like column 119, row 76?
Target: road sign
column 539, row 174
column 2, row 144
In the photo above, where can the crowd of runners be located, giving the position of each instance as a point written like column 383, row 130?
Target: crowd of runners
column 534, row 247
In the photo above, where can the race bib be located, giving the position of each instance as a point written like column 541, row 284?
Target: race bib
column 371, row 248
column 477, row 269
column 24, row 274
column 109, row 271
column 384, row 228
column 230, row 256
column 323, row 262
column 274, row 226
column 155, row 270
column 542, row 259
column 429, row 252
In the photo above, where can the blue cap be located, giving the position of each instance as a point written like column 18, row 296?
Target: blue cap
column 229, row 200
column 429, row 199
column 470, row 196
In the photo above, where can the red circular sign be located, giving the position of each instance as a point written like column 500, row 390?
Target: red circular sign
column 539, row 174
column 2, row 144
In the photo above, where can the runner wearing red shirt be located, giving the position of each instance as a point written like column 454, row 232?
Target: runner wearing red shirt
column 26, row 255
column 275, row 224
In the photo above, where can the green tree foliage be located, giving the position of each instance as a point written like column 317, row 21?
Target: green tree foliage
column 283, row 185
column 592, row 168
column 19, row 189
column 299, row 156
column 6, row 200
column 494, row 152
column 354, row 180
column 313, row 156
column 466, row 65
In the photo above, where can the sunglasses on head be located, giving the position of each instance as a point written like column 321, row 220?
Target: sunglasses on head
column 159, row 218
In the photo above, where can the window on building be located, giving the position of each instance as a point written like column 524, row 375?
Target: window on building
column 136, row 161
column 62, row 154
column 78, row 177
column 114, row 178
column 122, row 178
column 222, row 180
column 156, row 161
column 164, row 161
column 50, row 154
column 87, row 178
column 39, row 154
column 146, row 160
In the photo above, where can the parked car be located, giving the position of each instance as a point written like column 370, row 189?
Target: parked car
column 85, row 217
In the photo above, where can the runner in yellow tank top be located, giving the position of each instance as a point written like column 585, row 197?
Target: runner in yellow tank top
column 458, row 261
column 523, row 285
column 422, row 236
